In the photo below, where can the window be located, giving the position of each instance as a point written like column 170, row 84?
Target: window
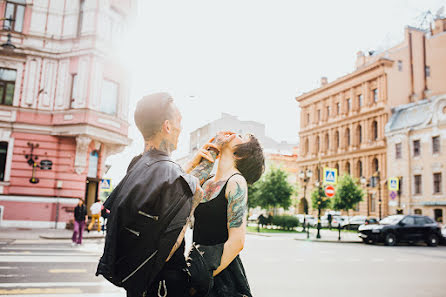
column 338, row 108
column 109, row 98
column 347, row 167
column 418, row 211
column 437, row 183
column 417, row 183
column 420, row 221
column 438, row 215
column 400, row 65
column 408, row 221
column 7, row 86
column 93, row 164
column 348, row 105
column 375, row 165
column 327, row 141
column 436, row 144
column 306, row 146
column 337, row 139
column 337, row 168
column 427, row 71
column 359, row 101
column 398, row 151
column 347, row 136
column 359, row 134
column 81, row 17
column 375, row 130
column 317, row 144
column 375, row 95
column 359, row 168
column 328, row 111
column 3, row 154
column 372, row 203
column 416, row 148
column 14, row 12
column 318, row 115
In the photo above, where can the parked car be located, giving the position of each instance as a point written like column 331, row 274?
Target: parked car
column 354, row 222
column 402, row 228
column 309, row 219
column 443, row 232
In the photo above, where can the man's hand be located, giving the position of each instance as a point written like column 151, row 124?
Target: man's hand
column 203, row 153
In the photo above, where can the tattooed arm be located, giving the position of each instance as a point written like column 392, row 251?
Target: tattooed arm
column 195, row 201
column 237, row 195
column 204, row 168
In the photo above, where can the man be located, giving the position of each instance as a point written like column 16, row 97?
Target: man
column 150, row 208
column 95, row 209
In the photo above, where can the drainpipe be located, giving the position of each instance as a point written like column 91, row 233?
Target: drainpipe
column 424, row 67
column 409, row 179
column 411, row 67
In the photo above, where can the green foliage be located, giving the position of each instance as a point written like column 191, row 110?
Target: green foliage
column 348, row 194
column 318, row 196
column 273, row 190
column 286, row 222
column 253, row 195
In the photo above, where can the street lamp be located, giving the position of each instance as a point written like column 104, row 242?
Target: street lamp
column 377, row 181
column 305, row 176
column 363, row 181
column 319, row 201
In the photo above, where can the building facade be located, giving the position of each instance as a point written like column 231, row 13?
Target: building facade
column 63, row 105
column 342, row 122
column 416, row 139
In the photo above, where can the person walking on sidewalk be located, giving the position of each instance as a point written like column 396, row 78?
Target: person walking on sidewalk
column 80, row 216
column 95, row 209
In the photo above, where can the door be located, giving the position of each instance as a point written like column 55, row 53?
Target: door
column 91, row 192
column 420, row 228
column 407, row 229
column 438, row 215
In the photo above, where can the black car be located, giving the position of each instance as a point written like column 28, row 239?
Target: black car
column 402, row 228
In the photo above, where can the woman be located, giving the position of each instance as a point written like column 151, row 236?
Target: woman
column 80, row 216
column 220, row 218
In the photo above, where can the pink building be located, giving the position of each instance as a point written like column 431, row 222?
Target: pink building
column 63, row 98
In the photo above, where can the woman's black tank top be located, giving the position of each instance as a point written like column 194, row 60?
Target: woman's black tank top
column 211, row 219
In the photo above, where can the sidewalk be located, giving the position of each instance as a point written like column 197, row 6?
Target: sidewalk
column 330, row 236
column 8, row 234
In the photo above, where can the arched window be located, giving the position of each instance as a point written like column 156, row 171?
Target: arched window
column 359, row 134
column 317, row 144
column 327, row 141
column 93, row 164
column 347, row 167
column 418, row 211
column 375, row 130
column 359, row 165
column 347, row 136
column 375, row 165
column 337, row 139
column 306, row 146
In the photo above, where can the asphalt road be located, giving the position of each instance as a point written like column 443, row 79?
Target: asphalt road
column 276, row 266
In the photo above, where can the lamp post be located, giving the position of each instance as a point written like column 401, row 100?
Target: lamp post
column 305, row 177
column 376, row 181
column 319, row 201
column 363, row 181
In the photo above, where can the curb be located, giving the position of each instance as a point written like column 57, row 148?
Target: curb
column 258, row 234
column 328, row 241
column 69, row 237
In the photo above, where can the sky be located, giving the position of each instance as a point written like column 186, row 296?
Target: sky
column 250, row 58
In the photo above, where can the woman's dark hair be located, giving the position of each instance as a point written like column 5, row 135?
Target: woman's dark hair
column 249, row 160
column 151, row 112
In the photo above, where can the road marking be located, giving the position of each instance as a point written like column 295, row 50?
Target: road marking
column 8, row 267
column 48, row 259
column 12, row 275
column 35, row 248
column 47, row 254
column 54, row 284
column 41, row 291
column 67, row 270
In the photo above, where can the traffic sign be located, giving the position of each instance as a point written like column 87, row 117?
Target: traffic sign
column 330, row 176
column 393, row 184
column 105, row 184
column 329, row 191
column 393, row 195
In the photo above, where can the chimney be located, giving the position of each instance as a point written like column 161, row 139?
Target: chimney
column 360, row 59
column 440, row 26
column 324, row 81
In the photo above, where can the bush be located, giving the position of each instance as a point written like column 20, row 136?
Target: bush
column 285, row 222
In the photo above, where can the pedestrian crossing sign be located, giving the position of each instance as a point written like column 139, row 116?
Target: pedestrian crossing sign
column 394, row 184
column 330, row 176
column 105, row 184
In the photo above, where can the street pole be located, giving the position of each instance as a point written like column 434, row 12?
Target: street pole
column 379, row 195
column 318, row 235
column 305, row 211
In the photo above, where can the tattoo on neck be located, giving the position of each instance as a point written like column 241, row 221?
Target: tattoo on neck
column 166, row 146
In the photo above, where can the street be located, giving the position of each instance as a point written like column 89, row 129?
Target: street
column 276, row 265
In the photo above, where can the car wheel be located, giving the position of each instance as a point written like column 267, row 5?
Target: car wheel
column 432, row 240
column 390, row 239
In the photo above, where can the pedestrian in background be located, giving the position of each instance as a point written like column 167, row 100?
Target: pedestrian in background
column 80, row 216
column 330, row 219
column 95, row 209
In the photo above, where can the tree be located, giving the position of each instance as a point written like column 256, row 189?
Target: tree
column 318, row 196
column 253, row 195
column 274, row 190
column 348, row 194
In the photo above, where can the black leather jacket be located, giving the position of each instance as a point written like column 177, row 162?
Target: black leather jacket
column 148, row 209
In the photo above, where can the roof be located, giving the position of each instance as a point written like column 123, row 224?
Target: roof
column 410, row 115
